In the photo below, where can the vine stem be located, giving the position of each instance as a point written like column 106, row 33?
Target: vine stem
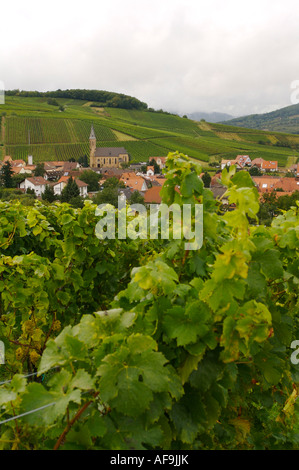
column 48, row 334
column 72, row 422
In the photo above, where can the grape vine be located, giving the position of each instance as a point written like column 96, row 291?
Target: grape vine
column 141, row 344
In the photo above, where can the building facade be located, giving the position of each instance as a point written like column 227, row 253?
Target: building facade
column 108, row 157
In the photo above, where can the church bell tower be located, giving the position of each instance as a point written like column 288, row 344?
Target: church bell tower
column 92, row 148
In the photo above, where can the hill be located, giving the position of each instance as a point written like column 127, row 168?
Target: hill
column 59, row 130
column 210, row 117
column 282, row 120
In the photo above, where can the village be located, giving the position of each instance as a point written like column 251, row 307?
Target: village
column 145, row 177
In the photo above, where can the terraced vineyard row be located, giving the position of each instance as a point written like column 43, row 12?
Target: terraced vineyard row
column 82, row 131
column 41, row 153
column 52, row 130
column 160, row 121
column 134, row 130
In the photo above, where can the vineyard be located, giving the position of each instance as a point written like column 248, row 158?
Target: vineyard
column 46, row 130
column 140, row 344
column 32, row 126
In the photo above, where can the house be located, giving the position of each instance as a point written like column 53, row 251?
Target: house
column 243, row 160
column 124, row 194
column 217, row 187
column 152, row 195
column 111, row 172
column 240, row 161
column 111, row 157
column 265, row 165
column 269, row 165
column 60, row 185
column 133, row 181
column 136, row 166
column 161, row 161
column 18, row 163
column 37, row 183
column 70, row 166
column 7, row 158
column 295, row 169
column 267, row 184
column 150, row 171
column 157, row 180
column 257, row 162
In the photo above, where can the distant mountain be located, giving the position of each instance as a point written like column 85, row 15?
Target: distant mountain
column 210, row 117
column 282, row 120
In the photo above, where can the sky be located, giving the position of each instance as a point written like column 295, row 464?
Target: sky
column 182, row 56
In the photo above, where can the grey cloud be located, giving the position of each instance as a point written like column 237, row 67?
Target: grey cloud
column 164, row 59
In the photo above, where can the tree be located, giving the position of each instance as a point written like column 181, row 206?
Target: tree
column 91, row 178
column 268, row 208
column 108, row 195
column 206, row 178
column 39, row 170
column 83, row 160
column 111, row 182
column 156, row 166
column 31, row 192
column 48, row 194
column 254, row 171
column 52, row 102
column 70, row 191
column 6, row 175
column 136, row 198
column 16, row 180
column 77, row 202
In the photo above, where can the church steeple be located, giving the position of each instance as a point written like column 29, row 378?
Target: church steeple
column 92, row 147
column 92, row 133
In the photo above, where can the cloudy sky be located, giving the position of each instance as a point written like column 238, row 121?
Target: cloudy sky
column 179, row 55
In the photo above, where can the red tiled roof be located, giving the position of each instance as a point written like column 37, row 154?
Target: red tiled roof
column 37, row 180
column 270, row 183
column 64, row 179
column 152, row 195
column 266, row 165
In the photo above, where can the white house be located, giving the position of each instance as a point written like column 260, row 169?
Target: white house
column 82, row 187
column 58, row 187
column 150, row 171
column 240, row 161
column 37, row 183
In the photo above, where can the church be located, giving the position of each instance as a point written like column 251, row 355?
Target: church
column 108, row 157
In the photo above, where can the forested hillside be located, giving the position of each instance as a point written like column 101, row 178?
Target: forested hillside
column 282, row 120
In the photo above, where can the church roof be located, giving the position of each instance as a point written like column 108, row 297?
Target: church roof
column 109, row 151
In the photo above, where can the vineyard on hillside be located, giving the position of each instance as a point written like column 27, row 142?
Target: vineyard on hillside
column 32, row 126
column 143, row 344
